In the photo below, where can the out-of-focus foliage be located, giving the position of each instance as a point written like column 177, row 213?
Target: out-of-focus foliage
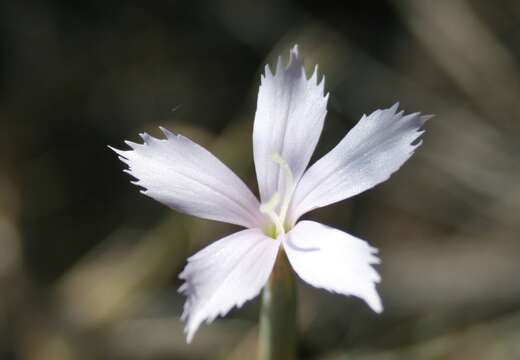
column 88, row 266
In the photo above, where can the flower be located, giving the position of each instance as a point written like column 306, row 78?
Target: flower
column 289, row 119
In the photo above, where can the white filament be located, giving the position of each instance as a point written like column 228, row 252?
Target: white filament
column 269, row 208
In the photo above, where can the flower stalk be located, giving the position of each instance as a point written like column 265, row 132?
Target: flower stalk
column 278, row 317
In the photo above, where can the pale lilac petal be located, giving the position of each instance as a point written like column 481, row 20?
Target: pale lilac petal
column 372, row 151
column 288, row 121
column 183, row 175
column 225, row 274
column 333, row 260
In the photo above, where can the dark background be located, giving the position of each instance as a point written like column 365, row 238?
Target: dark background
column 88, row 266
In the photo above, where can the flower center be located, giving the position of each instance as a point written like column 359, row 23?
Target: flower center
column 278, row 202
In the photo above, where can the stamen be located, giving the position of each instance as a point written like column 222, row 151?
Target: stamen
column 268, row 208
column 271, row 204
column 289, row 184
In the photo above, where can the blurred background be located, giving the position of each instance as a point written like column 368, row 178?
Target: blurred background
column 88, row 265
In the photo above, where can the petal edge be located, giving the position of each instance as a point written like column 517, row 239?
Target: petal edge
column 188, row 178
column 226, row 274
column 376, row 147
column 334, row 260
column 289, row 119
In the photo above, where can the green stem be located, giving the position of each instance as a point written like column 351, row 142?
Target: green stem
column 278, row 315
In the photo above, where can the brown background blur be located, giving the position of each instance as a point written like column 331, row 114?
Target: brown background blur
column 88, row 266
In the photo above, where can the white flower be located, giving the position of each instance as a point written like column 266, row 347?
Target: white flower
column 288, row 122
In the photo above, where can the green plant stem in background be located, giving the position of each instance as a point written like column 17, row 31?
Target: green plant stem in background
column 278, row 315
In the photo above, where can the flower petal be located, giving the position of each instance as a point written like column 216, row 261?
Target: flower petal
column 334, row 260
column 225, row 274
column 186, row 177
column 288, row 122
column 374, row 149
